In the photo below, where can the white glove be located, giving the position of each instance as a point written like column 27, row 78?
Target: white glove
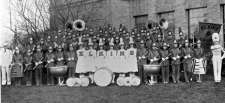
column 189, row 56
column 139, row 57
column 155, row 59
column 143, row 57
column 163, row 59
column 36, row 63
column 151, row 60
column 185, row 57
column 174, row 58
column 167, row 58
column 178, row 57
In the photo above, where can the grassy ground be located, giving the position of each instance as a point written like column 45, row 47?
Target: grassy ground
column 206, row 92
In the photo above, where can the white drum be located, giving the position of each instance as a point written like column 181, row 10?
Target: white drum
column 199, row 66
column 121, row 81
column 127, row 81
column 135, row 81
column 85, row 81
column 71, row 82
column 103, row 77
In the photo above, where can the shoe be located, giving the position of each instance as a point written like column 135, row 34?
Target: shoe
column 3, row 82
column 9, row 83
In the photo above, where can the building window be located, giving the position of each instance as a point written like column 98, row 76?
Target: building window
column 141, row 20
column 195, row 16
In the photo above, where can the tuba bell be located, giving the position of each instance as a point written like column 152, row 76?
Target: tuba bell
column 79, row 25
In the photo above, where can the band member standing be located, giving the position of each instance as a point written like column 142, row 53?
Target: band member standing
column 50, row 58
column 28, row 61
column 165, row 63
column 187, row 54
column 71, row 61
column 175, row 53
column 38, row 57
column 153, row 57
column 91, row 59
column 216, row 49
column 198, row 54
column 17, row 61
column 142, row 60
column 60, row 57
column 159, row 43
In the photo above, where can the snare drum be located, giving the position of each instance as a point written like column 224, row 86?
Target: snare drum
column 103, row 77
column 17, row 70
column 199, row 66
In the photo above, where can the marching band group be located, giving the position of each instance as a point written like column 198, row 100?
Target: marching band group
column 124, row 52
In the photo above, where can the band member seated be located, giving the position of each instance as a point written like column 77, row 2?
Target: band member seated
column 142, row 60
column 187, row 54
column 81, row 62
column 153, row 57
column 175, row 54
column 50, row 59
column 38, row 68
column 165, row 63
column 198, row 55
column 17, row 65
column 28, row 61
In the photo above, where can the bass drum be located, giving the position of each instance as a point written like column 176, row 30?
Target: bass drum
column 103, row 77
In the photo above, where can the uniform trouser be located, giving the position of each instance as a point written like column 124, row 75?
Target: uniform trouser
column 140, row 72
column 38, row 76
column 165, row 73
column 70, row 71
column 50, row 78
column 217, row 64
column 176, row 72
column 28, row 77
column 187, row 73
column 6, row 75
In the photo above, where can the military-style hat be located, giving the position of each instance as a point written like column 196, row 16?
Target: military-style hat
column 142, row 42
column 175, row 41
column 90, row 42
column 100, row 42
column 111, row 42
column 38, row 46
column 131, row 40
column 121, row 41
column 50, row 48
column 80, row 41
column 153, row 44
column 199, row 42
column 165, row 44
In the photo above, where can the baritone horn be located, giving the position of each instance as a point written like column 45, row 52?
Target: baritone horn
column 79, row 25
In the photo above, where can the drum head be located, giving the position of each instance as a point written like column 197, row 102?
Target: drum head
column 70, row 82
column 103, row 77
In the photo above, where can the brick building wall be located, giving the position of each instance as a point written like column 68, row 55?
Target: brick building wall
column 180, row 13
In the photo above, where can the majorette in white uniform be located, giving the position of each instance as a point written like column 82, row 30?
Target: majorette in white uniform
column 81, row 62
column 111, row 56
column 91, row 56
column 131, row 58
column 100, row 58
column 121, row 59
column 216, row 49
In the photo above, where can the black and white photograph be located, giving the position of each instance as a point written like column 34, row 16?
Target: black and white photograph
column 112, row 51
